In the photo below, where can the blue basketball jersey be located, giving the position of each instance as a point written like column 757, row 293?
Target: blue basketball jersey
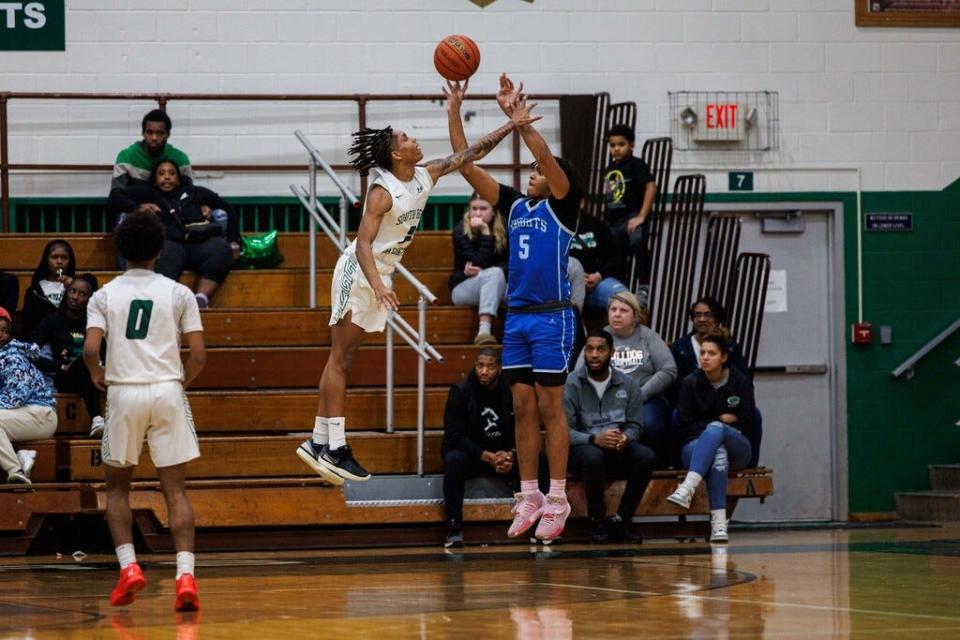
column 539, row 250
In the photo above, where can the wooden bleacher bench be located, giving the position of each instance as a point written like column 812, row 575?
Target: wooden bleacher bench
column 225, row 457
column 286, row 287
column 96, row 252
column 277, row 410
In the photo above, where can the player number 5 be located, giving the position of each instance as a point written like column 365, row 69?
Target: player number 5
column 524, row 246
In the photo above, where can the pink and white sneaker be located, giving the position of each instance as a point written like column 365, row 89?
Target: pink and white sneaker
column 554, row 518
column 526, row 511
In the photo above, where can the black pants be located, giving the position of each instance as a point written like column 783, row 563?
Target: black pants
column 77, row 380
column 595, row 466
column 211, row 259
column 633, row 244
column 459, row 466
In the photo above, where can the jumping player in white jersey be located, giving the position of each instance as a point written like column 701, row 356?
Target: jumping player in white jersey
column 144, row 315
column 361, row 294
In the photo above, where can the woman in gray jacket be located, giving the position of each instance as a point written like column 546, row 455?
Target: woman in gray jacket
column 643, row 355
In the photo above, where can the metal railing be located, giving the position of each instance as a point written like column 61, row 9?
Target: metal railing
column 361, row 100
column 337, row 232
column 906, row 367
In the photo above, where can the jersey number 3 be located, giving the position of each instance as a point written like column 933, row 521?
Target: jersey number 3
column 138, row 319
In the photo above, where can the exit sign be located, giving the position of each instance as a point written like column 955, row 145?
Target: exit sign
column 740, row 181
column 720, row 121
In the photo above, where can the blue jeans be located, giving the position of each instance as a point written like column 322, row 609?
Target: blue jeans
column 600, row 295
column 718, row 449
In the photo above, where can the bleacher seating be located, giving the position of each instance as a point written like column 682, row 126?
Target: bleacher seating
column 255, row 402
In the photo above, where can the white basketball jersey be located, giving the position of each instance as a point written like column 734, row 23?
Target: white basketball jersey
column 401, row 221
column 143, row 314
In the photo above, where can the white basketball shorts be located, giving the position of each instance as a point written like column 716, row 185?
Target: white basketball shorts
column 158, row 411
column 350, row 292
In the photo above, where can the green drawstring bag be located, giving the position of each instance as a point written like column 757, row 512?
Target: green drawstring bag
column 259, row 251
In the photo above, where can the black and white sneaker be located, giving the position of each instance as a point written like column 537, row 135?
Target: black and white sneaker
column 454, row 538
column 310, row 454
column 341, row 462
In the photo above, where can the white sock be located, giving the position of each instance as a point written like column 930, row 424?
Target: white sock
column 485, row 327
column 321, row 431
column 718, row 515
column 692, row 481
column 126, row 555
column 338, row 436
column 184, row 563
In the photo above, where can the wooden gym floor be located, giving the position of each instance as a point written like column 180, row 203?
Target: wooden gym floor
column 867, row 583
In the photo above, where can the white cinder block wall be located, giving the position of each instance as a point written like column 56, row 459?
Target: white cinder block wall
column 886, row 101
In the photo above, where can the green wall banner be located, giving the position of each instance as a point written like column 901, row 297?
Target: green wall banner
column 32, row 26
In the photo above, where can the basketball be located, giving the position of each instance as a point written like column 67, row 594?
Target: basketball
column 456, row 57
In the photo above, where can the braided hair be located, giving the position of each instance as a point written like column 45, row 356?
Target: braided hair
column 372, row 148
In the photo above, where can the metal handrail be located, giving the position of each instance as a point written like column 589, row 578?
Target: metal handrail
column 906, row 367
column 337, row 233
column 361, row 100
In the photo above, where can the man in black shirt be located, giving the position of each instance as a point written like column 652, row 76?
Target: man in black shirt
column 629, row 191
column 478, row 436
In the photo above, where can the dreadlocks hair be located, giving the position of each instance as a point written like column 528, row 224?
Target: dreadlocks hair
column 372, row 148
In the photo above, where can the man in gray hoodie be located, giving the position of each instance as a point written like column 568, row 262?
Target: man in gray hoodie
column 605, row 412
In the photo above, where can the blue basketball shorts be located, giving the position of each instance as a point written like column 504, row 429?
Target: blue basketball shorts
column 541, row 342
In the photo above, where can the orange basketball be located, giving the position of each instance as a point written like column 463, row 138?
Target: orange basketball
column 456, row 57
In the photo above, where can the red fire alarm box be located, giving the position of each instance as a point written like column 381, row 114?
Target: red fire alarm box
column 862, row 333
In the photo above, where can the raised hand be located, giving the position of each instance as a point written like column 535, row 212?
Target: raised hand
column 454, row 93
column 508, row 93
column 520, row 114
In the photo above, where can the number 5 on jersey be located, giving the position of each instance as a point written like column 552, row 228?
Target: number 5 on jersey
column 524, row 242
column 138, row 319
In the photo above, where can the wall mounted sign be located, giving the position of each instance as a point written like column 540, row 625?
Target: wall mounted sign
column 907, row 13
column 32, row 26
column 740, row 181
column 888, row 222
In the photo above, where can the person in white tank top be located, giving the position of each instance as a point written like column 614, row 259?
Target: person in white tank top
column 362, row 294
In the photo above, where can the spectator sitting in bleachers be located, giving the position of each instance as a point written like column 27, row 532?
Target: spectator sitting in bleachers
column 716, row 409
column 478, row 437
column 192, row 240
column 709, row 318
column 135, row 163
column 9, row 293
column 605, row 414
column 63, row 333
column 601, row 260
column 49, row 283
column 480, row 256
column 629, row 191
column 26, row 403
column 641, row 354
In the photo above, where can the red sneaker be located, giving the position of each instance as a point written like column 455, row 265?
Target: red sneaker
column 131, row 581
column 187, row 598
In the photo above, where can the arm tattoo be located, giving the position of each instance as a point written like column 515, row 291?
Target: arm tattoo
column 478, row 150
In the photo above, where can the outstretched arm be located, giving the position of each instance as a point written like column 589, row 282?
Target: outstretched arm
column 509, row 97
column 479, row 149
column 482, row 182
